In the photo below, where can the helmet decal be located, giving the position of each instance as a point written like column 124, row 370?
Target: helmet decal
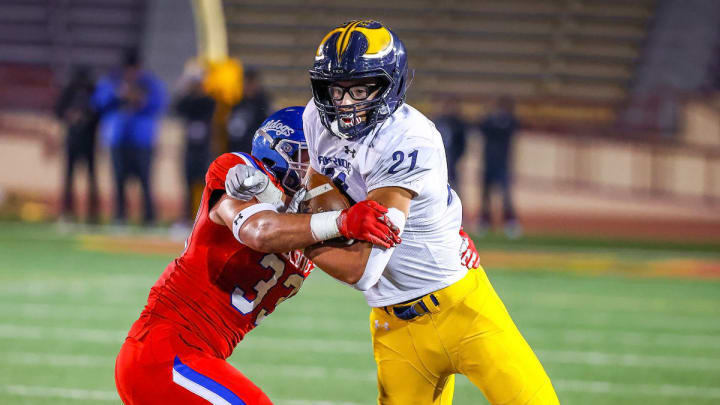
column 277, row 126
column 344, row 38
column 380, row 42
column 320, row 53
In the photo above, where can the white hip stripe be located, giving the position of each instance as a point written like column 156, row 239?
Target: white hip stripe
column 198, row 389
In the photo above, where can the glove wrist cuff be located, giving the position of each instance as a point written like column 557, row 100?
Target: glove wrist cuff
column 324, row 225
column 271, row 195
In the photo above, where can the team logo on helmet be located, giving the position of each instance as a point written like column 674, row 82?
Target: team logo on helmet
column 277, row 126
column 378, row 38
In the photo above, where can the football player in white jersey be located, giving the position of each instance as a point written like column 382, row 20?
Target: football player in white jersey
column 431, row 317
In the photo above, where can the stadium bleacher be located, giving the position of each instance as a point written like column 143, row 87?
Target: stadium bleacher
column 583, row 49
column 41, row 39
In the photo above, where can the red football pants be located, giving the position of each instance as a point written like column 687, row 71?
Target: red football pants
column 159, row 367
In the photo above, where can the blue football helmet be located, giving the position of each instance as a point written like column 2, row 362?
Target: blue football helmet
column 366, row 51
column 280, row 144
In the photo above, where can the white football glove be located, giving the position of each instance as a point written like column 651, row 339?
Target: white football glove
column 294, row 204
column 244, row 182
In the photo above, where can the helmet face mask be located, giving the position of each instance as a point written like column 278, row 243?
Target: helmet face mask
column 280, row 144
column 351, row 121
column 359, row 52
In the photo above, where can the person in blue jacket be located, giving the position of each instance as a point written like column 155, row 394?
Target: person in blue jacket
column 130, row 101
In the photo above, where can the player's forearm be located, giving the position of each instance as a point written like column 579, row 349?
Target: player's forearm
column 273, row 232
column 343, row 262
column 361, row 264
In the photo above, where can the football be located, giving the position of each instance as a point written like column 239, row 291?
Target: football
column 322, row 195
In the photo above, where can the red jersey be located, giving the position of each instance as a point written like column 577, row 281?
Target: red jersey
column 219, row 289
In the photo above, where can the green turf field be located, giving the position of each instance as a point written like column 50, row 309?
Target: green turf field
column 603, row 336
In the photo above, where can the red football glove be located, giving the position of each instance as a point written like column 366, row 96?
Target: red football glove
column 469, row 256
column 367, row 221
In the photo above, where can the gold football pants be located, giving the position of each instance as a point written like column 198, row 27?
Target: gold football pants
column 464, row 330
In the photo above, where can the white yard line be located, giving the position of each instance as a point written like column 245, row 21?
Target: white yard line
column 308, row 372
column 583, row 386
column 311, row 402
column 603, row 303
column 57, row 360
column 600, row 318
column 284, row 321
column 587, row 358
column 115, row 289
column 330, row 345
column 640, row 390
column 640, row 339
column 106, row 395
column 65, row 311
column 592, row 358
column 57, row 392
column 62, row 334
column 628, row 360
column 536, row 335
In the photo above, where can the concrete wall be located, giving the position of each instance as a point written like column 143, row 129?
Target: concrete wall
column 609, row 167
column 32, row 164
column 701, row 123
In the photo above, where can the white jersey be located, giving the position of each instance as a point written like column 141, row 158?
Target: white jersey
column 406, row 151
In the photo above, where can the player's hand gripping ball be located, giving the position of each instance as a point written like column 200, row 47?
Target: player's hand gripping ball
column 365, row 220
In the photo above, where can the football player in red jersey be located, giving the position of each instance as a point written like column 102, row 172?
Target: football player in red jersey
column 233, row 272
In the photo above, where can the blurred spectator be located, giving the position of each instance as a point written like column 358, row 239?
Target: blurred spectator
column 130, row 101
column 247, row 115
column 453, row 129
column 74, row 108
column 498, row 129
column 196, row 108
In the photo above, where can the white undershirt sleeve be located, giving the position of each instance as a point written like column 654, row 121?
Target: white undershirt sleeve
column 379, row 257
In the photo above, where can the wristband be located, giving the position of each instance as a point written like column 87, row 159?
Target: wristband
column 245, row 214
column 324, row 225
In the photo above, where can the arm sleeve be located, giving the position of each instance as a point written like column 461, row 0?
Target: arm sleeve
column 379, row 257
column 374, row 268
column 406, row 167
